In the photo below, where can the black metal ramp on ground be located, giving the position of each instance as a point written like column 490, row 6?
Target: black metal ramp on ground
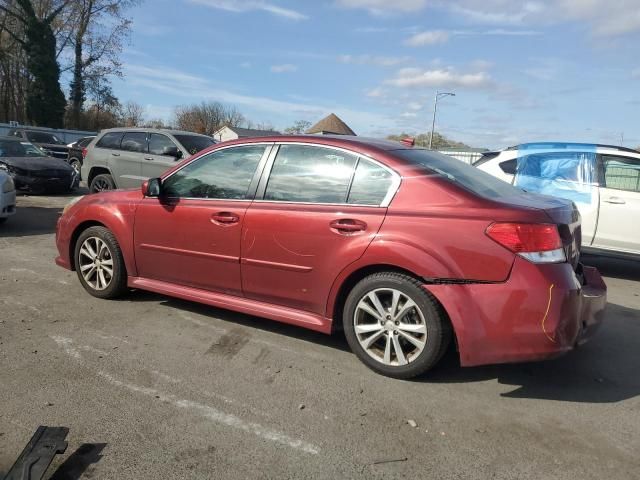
column 36, row 457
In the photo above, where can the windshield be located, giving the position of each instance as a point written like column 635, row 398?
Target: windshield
column 194, row 143
column 43, row 137
column 11, row 148
column 458, row 172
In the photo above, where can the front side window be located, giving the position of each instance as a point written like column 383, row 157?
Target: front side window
column 134, row 142
column 160, row 144
column 110, row 140
column 371, row 183
column 621, row 173
column 303, row 173
column 194, row 143
column 224, row 174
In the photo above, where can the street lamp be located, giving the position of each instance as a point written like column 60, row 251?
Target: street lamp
column 435, row 108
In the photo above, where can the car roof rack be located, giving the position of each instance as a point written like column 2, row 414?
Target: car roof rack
column 567, row 145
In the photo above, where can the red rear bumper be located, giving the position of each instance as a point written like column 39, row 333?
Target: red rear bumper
column 540, row 312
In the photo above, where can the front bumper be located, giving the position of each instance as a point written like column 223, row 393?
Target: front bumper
column 7, row 203
column 540, row 312
column 46, row 184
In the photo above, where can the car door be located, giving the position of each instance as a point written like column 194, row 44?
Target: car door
column 619, row 204
column 159, row 159
column 191, row 235
column 126, row 163
column 311, row 218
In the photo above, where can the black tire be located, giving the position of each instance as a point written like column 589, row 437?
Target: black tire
column 118, row 283
column 102, row 182
column 438, row 329
column 77, row 165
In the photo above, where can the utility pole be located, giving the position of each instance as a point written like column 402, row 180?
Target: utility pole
column 435, row 109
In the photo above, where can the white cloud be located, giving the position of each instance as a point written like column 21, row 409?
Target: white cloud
column 635, row 73
column 284, row 68
column 376, row 93
column 417, row 77
column 481, row 65
column 379, row 61
column 409, row 115
column 430, row 37
column 241, row 6
column 378, row 7
column 414, row 106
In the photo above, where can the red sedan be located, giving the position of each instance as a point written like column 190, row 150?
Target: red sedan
column 403, row 249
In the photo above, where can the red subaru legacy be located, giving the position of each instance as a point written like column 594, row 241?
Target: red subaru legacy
column 403, row 249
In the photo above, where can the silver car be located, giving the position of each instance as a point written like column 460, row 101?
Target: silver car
column 125, row 157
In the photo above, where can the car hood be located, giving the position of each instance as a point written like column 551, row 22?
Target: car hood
column 37, row 163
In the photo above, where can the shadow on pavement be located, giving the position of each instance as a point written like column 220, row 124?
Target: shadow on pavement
column 602, row 371
column 77, row 463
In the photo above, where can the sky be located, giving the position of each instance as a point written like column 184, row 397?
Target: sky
column 557, row 70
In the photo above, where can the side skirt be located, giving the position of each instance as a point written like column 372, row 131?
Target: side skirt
column 237, row 304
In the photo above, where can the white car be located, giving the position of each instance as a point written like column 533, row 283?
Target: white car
column 7, row 196
column 602, row 180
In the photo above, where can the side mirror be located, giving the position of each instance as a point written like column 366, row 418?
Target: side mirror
column 172, row 151
column 152, row 187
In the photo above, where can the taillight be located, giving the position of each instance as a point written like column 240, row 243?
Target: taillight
column 537, row 242
column 84, row 153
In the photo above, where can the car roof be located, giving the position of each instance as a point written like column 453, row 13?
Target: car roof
column 569, row 146
column 343, row 141
column 151, row 130
column 13, row 139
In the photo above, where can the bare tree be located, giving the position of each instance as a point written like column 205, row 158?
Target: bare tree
column 300, row 126
column 97, row 35
column 132, row 114
column 207, row 117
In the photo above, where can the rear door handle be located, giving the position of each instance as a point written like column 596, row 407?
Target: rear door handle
column 115, row 154
column 348, row 225
column 225, row 218
column 615, row 200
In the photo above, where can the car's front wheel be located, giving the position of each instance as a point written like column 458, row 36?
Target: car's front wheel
column 102, row 182
column 99, row 263
column 394, row 326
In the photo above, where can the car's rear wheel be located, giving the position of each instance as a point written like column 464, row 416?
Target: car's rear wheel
column 99, row 263
column 102, row 182
column 395, row 326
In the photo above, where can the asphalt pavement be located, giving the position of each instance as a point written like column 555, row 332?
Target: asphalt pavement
column 152, row 387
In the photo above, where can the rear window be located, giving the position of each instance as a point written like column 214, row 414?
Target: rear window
column 110, row 140
column 194, row 143
column 457, row 172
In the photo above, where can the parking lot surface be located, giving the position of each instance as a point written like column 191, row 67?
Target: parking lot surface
column 153, row 387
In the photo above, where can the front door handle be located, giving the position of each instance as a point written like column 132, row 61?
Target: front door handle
column 348, row 226
column 225, row 218
column 148, row 158
column 115, row 154
column 615, row 200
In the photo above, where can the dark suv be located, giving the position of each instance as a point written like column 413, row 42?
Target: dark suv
column 47, row 141
column 125, row 157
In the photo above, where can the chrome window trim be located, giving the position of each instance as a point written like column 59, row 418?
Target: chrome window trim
column 261, row 164
column 391, row 192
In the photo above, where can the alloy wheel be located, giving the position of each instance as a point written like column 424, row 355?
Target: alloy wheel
column 390, row 327
column 96, row 263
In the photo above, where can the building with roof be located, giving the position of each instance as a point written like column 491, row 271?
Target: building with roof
column 331, row 125
column 233, row 133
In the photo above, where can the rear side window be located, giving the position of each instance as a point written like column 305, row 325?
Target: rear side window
column 509, row 167
column 110, row 140
column 83, row 142
column 134, row 142
column 621, row 173
column 370, row 185
column 457, row 172
column 224, row 174
column 43, row 137
column 309, row 174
